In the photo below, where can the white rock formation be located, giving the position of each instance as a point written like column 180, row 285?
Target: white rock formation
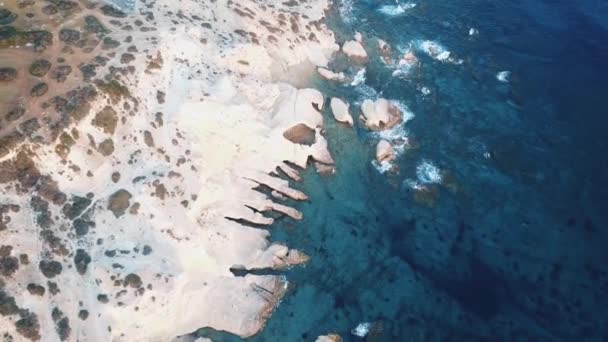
column 355, row 52
column 329, row 338
column 384, row 151
column 340, row 110
column 380, row 114
column 330, row 75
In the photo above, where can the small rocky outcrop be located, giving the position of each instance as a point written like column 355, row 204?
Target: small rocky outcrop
column 330, row 75
column 380, row 114
column 384, row 151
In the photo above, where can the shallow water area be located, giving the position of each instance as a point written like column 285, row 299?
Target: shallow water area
column 506, row 241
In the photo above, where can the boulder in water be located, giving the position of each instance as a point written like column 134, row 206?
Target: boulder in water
column 355, row 52
column 380, row 114
column 340, row 110
column 330, row 75
column 384, row 151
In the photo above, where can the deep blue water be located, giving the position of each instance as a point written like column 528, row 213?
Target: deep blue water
column 514, row 247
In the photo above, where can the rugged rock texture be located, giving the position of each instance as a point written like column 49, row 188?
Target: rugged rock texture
column 380, row 114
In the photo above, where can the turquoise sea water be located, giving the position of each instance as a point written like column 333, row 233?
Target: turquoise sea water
column 512, row 245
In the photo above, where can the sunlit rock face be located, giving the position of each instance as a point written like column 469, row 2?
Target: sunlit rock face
column 138, row 157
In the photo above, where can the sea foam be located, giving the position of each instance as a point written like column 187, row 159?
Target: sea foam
column 428, row 173
column 346, row 10
column 359, row 78
column 437, row 52
column 361, row 330
column 395, row 10
column 503, row 76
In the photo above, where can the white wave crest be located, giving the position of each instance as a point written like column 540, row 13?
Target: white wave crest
column 503, row 76
column 428, row 173
column 395, row 10
column 361, row 330
column 346, row 10
column 382, row 167
column 437, row 52
column 359, row 78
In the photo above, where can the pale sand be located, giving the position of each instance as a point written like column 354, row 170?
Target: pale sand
column 224, row 117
